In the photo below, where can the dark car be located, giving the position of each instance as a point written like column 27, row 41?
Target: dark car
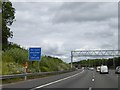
column 117, row 71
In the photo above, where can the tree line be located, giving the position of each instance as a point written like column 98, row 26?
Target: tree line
column 8, row 17
column 110, row 62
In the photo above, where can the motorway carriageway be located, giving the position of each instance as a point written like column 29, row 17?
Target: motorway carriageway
column 80, row 79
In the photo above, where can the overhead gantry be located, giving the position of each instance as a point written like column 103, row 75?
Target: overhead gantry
column 94, row 53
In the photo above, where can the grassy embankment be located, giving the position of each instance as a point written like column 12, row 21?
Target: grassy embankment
column 13, row 62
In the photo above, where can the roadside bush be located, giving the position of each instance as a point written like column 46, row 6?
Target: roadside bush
column 7, row 58
column 63, row 66
column 15, row 54
column 52, row 64
column 44, row 69
column 0, row 66
column 13, row 61
column 5, row 69
column 0, row 62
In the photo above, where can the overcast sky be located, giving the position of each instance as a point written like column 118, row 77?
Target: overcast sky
column 59, row 27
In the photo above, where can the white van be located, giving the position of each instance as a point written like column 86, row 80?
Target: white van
column 104, row 69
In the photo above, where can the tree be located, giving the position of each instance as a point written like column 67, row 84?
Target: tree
column 8, row 18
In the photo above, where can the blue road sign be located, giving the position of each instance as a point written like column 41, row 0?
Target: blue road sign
column 34, row 54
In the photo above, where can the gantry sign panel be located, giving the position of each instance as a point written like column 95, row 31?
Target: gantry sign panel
column 83, row 53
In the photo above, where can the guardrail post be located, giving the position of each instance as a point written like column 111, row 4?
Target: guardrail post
column 25, row 74
column 25, row 77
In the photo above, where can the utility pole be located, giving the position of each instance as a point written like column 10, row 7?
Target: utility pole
column 113, row 56
column 71, row 59
column 88, row 62
column 113, row 60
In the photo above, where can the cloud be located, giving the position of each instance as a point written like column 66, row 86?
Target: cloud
column 59, row 27
column 86, row 11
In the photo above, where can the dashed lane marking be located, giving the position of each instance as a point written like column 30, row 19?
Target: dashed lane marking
column 93, row 80
column 90, row 88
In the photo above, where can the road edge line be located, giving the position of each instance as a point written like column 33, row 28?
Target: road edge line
column 41, row 86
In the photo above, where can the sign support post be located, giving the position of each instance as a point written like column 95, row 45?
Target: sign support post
column 39, row 66
column 26, row 67
column 35, row 55
column 25, row 75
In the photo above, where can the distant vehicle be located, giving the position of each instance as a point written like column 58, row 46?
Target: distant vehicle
column 98, row 68
column 117, row 71
column 91, row 68
column 83, row 67
column 104, row 69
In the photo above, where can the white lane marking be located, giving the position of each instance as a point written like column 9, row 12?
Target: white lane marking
column 56, row 81
column 93, row 77
column 93, row 80
column 90, row 88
